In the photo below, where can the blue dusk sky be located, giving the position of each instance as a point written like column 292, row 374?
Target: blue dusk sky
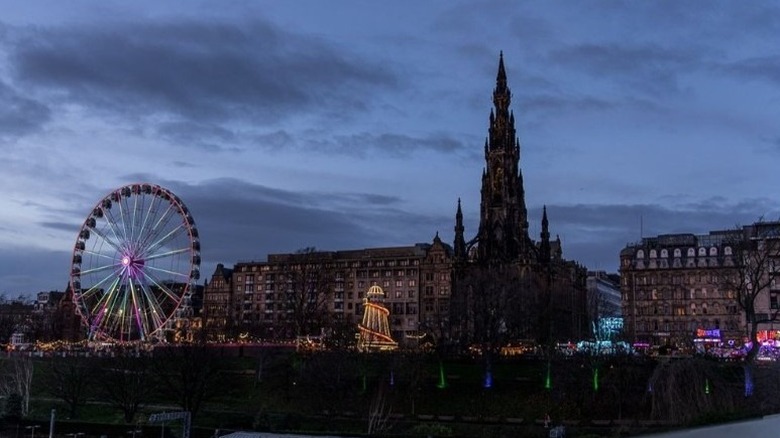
column 353, row 124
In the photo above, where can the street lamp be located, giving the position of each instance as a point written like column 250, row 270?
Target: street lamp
column 32, row 430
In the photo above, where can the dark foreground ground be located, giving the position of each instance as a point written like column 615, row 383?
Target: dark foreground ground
column 395, row 395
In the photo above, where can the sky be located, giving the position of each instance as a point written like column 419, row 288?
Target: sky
column 356, row 124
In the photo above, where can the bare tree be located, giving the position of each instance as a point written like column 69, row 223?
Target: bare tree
column 488, row 301
column 308, row 292
column 17, row 379
column 686, row 390
column 70, row 379
column 126, row 382
column 379, row 412
column 190, row 373
column 755, row 255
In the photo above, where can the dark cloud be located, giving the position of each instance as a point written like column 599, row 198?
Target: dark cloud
column 183, row 165
column 273, row 140
column 238, row 220
column 241, row 221
column 27, row 269
column 770, row 145
column 646, row 67
column 550, row 103
column 197, row 71
column 20, row 115
column 62, row 226
column 209, row 137
column 397, row 145
column 765, row 68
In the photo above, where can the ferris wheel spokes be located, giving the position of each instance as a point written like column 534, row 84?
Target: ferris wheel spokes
column 95, row 288
column 164, row 239
column 149, row 212
column 159, row 226
column 160, row 285
column 166, row 254
column 101, row 268
column 154, row 309
column 167, row 271
column 121, row 221
column 106, row 239
column 140, row 317
column 98, row 254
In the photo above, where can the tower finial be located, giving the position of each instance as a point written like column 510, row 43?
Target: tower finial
column 544, row 245
column 460, row 241
column 501, row 76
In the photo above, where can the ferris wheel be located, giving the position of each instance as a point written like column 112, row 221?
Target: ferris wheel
column 135, row 261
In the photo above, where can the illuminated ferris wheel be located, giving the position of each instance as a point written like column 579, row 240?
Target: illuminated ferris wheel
column 136, row 258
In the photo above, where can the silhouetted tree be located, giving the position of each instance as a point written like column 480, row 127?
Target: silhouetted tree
column 126, row 382
column 307, row 292
column 17, row 379
column 755, row 257
column 687, row 390
column 189, row 373
column 71, row 380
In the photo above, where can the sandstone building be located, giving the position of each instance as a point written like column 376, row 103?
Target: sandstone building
column 311, row 292
column 681, row 289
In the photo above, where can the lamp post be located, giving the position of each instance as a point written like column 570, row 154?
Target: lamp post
column 32, row 430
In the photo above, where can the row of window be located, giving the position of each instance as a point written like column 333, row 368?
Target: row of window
column 692, row 252
column 338, row 287
column 682, row 294
column 373, row 273
column 340, row 264
column 688, row 327
column 679, row 279
column 692, row 309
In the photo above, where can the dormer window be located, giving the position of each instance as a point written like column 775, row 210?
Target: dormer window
column 653, row 254
column 664, row 253
column 640, row 254
column 677, row 253
column 691, row 252
column 713, row 251
column 727, row 250
column 702, row 251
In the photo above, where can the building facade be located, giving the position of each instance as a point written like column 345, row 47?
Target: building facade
column 605, row 309
column 311, row 293
column 681, row 289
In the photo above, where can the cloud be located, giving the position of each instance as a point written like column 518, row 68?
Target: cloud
column 239, row 220
column 29, row 269
column 61, row 226
column 20, row 115
column 770, row 145
column 648, row 67
column 392, row 144
column 765, row 68
column 195, row 71
column 206, row 136
column 557, row 103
